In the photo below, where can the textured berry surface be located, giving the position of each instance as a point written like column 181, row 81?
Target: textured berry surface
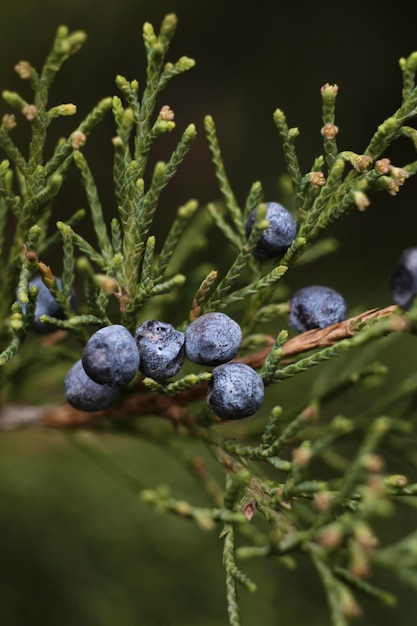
column 235, row 391
column 403, row 280
column 316, row 307
column 279, row 235
column 46, row 305
column 161, row 349
column 212, row 339
column 86, row 395
column 110, row 356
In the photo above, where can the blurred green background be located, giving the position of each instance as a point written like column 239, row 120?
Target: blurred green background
column 76, row 547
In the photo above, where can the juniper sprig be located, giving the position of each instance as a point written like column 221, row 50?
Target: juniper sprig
column 308, row 477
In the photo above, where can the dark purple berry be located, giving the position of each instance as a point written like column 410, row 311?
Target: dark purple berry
column 279, row 235
column 86, row 395
column 161, row 349
column 235, row 391
column 110, row 356
column 212, row 339
column 316, row 307
column 46, row 305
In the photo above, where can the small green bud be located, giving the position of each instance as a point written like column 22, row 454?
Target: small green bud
column 169, row 24
column 188, row 209
column 185, row 63
column 341, row 424
column 149, row 33
column 65, row 229
column 16, row 322
column 33, row 291
column 13, row 99
column 159, row 170
column 76, row 40
column 63, row 110
column 396, row 480
column 179, row 280
column 121, row 83
column 279, row 116
column 84, row 265
column 62, row 32
column 190, row 133
column 128, row 118
column 410, row 62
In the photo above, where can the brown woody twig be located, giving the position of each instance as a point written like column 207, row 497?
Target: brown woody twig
column 175, row 408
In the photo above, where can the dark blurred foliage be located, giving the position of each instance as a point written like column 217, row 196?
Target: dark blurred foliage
column 76, row 548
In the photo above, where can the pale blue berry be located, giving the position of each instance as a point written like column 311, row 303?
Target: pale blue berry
column 85, row 394
column 279, row 235
column 161, row 349
column 110, row 356
column 403, row 280
column 316, row 307
column 212, row 339
column 235, row 391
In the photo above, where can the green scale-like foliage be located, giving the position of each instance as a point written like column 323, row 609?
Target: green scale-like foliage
column 305, row 481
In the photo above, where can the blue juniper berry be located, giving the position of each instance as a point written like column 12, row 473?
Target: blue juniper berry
column 85, row 394
column 316, row 307
column 235, row 391
column 161, row 349
column 46, row 305
column 212, row 339
column 279, row 235
column 111, row 356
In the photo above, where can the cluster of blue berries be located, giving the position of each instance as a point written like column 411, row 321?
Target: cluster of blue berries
column 112, row 357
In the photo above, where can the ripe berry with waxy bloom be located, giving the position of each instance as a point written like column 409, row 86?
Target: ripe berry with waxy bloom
column 316, row 307
column 161, row 349
column 46, row 305
column 235, row 391
column 85, row 394
column 212, row 339
column 110, row 356
column 279, row 235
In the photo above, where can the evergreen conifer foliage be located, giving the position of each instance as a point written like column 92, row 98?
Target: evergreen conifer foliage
column 297, row 481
